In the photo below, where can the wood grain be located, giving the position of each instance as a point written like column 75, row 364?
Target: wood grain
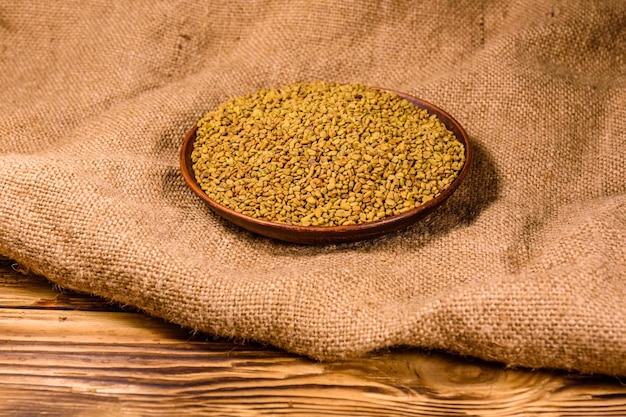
column 67, row 354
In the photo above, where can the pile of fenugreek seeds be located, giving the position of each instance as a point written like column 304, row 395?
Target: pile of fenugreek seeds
column 321, row 154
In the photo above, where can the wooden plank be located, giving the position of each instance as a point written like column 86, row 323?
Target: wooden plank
column 22, row 290
column 56, row 363
column 75, row 362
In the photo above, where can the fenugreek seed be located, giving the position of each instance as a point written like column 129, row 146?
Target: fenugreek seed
column 342, row 213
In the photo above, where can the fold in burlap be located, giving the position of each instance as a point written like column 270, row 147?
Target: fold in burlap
column 525, row 264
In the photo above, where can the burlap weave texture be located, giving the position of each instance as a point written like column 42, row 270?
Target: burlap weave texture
column 525, row 264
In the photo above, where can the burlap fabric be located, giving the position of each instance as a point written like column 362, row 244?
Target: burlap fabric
column 526, row 264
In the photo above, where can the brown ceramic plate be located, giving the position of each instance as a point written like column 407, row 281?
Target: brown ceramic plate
column 332, row 234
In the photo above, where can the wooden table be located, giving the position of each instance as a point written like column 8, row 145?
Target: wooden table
column 67, row 354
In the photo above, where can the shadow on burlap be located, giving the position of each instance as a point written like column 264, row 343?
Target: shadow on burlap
column 525, row 264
